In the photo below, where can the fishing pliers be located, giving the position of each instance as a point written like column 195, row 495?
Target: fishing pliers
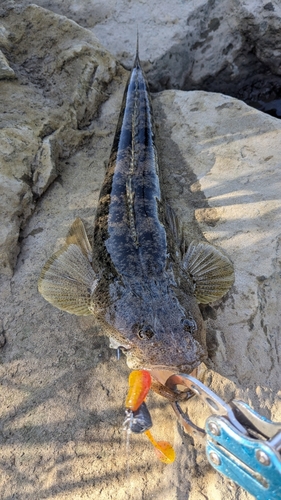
column 240, row 443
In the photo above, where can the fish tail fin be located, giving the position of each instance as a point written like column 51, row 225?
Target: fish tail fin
column 67, row 279
column 211, row 271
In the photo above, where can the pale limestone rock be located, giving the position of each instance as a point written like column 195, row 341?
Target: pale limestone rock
column 193, row 41
column 234, row 152
column 45, row 166
column 61, row 70
column 228, row 46
column 5, row 71
column 189, row 43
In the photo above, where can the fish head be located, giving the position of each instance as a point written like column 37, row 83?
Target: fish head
column 159, row 328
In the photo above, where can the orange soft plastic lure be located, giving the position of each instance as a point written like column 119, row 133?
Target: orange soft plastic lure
column 139, row 385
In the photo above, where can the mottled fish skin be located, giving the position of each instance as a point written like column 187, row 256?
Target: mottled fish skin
column 141, row 284
column 128, row 226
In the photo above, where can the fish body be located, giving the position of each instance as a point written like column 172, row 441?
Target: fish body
column 138, row 295
column 139, row 279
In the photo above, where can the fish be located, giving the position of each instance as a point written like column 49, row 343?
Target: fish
column 141, row 278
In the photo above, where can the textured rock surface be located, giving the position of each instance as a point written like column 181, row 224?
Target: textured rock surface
column 235, row 41
column 58, row 71
column 62, row 389
column 5, row 71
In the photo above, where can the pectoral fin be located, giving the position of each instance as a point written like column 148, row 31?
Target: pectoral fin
column 67, row 280
column 78, row 236
column 211, row 270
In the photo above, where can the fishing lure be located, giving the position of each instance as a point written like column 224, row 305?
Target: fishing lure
column 139, row 385
column 138, row 419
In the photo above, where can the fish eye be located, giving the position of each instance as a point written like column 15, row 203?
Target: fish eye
column 145, row 332
column 189, row 325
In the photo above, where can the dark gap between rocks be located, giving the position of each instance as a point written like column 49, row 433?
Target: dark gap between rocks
column 254, row 82
column 256, row 85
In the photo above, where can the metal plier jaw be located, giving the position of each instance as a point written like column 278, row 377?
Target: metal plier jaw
column 240, row 443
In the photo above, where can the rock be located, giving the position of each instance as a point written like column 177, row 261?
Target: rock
column 62, row 388
column 232, row 151
column 5, row 71
column 58, row 70
column 228, row 46
column 45, row 171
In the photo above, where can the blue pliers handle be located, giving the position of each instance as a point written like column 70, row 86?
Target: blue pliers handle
column 240, row 443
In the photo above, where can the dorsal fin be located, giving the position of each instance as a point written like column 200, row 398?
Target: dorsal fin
column 176, row 228
column 137, row 59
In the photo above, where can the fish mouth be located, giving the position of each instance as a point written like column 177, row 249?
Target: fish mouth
column 161, row 372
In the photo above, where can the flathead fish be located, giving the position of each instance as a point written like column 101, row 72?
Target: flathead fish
column 139, row 278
